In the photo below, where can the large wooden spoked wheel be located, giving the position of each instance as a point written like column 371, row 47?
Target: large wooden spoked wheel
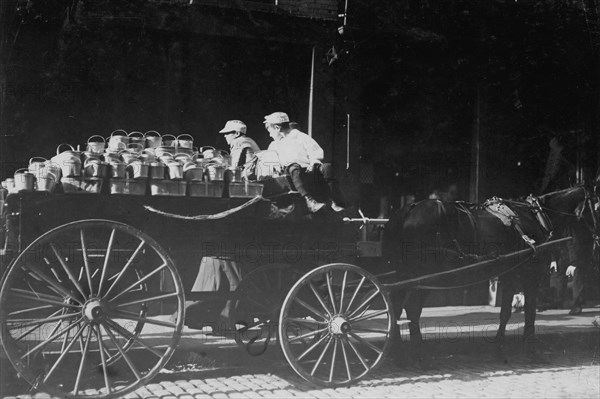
column 91, row 309
column 335, row 325
column 257, row 303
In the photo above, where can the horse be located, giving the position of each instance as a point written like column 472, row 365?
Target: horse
column 434, row 236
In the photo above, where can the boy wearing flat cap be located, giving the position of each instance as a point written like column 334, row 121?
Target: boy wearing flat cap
column 242, row 148
column 298, row 153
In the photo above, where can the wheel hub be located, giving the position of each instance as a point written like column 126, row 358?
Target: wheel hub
column 339, row 325
column 93, row 310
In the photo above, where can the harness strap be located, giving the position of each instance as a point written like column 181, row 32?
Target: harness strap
column 460, row 206
column 497, row 207
column 540, row 216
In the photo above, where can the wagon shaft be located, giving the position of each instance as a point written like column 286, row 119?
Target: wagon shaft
column 499, row 260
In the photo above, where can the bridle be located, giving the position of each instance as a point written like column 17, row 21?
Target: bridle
column 590, row 201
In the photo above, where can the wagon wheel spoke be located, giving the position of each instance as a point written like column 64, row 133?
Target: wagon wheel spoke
column 368, row 330
column 146, row 300
column 365, row 342
column 311, row 308
column 307, row 335
column 358, row 355
column 313, row 347
column 330, row 291
column 67, row 269
column 86, row 261
column 356, row 290
column 106, row 261
column 140, row 281
column 133, row 316
column 122, row 352
column 17, row 312
column 321, row 356
column 130, row 261
column 319, row 299
column 352, row 331
column 305, row 321
column 122, row 331
column 32, row 329
column 102, row 349
column 365, row 303
column 36, row 322
column 333, row 354
column 65, row 340
column 260, row 305
column 84, row 354
column 64, row 351
column 48, row 340
column 343, row 290
column 40, row 297
column 346, row 362
column 369, row 316
column 36, row 273
column 72, row 323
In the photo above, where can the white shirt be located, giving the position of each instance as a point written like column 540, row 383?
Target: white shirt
column 297, row 147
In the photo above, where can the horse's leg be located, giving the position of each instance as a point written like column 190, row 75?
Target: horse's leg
column 508, row 291
column 397, row 298
column 531, row 282
column 414, row 307
column 398, row 349
column 530, row 290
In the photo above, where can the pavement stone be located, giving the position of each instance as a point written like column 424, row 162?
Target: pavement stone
column 461, row 367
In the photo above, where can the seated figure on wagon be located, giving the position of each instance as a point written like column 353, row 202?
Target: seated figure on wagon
column 300, row 156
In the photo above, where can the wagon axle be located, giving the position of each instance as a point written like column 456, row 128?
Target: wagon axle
column 339, row 325
column 93, row 310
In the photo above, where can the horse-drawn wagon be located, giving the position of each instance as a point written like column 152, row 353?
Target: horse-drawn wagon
column 94, row 291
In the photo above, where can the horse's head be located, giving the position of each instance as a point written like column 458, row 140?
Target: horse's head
column 576, row 207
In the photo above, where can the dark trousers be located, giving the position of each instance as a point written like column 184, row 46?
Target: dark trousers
column 296, row 173
column 312, row 183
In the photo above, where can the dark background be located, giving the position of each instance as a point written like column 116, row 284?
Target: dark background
column 425, row 83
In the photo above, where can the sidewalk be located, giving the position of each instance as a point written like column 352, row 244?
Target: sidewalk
column 469, row 322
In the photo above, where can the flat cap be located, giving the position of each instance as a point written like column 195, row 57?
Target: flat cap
column 234, row 126
column 276, row 118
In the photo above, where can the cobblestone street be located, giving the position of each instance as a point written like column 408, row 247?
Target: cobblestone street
column 564, row 364
column 567, row 375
